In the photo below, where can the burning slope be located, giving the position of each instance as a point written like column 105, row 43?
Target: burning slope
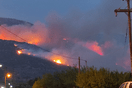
column 24, row 67
column 58, row 61
column 39, row 35
column 55, row 36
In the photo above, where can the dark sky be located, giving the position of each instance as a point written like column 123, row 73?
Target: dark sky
column 34, row 10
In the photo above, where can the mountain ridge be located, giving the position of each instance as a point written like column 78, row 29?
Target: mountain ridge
column 11, row 22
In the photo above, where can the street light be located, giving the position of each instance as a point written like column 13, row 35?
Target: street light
column 0, row 65
column 7, row 75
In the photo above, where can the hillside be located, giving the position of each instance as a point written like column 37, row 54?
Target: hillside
column 23, row 67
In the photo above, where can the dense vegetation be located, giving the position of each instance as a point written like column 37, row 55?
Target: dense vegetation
column 90, row 78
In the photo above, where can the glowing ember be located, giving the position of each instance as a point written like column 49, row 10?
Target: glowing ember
column 15, row 45
column 33, row 54
column 29, row 53
column 64, row 38
column 19, row 52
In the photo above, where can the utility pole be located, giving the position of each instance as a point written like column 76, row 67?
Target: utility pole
column 79, row 64
column 86, row 64
column 5, row 75
column 128, row 10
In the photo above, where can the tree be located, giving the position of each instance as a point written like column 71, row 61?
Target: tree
column 62, row 79
column 46, row 81
column 102, row 78
column 66, row 78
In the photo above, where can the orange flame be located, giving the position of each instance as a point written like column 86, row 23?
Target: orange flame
column 58, row 61
column 15, row 45
column 19, row 52
column 29, row 53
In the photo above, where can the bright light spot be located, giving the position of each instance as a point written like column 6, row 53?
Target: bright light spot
column 57, row 61
column 8, row 75
column 2, row 87
column 0, row 65
column 19, row 52
column 11, row 86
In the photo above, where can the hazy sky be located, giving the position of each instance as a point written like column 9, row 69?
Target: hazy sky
column 86, row 25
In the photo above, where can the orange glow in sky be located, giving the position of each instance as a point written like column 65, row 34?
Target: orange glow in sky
column 34, row 41
column 27, row 36
column 94, row 47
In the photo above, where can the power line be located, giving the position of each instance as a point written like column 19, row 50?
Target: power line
column 41, row 47
column 47, row 50
column 13, row 33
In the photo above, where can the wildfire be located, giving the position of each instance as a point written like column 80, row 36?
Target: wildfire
column 29, row 53
column 34, row 41
column 58, row 61
column 15, row 45
column 19, row 52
